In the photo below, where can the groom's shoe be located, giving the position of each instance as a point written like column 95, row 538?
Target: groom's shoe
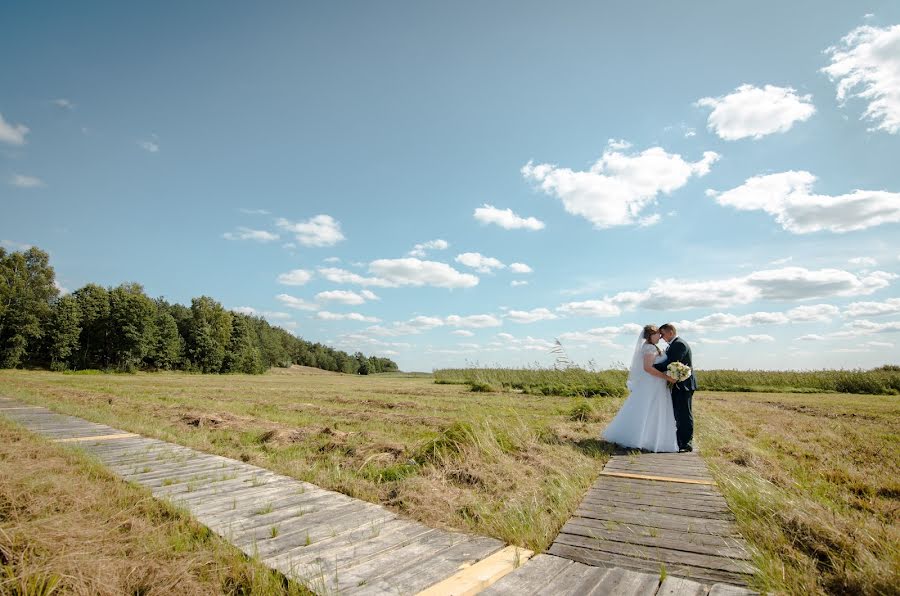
column 685, row 449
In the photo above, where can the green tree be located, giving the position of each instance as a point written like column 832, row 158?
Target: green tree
column 209, row 334
column 243, row 355
column 168, row 345
column 132, row 318
column 63, row 330
column 26, row 288
column 93, row 304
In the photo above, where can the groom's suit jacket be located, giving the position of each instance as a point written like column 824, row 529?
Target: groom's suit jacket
column 679, row 351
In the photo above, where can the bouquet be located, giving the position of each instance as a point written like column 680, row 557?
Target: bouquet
column 678, row 371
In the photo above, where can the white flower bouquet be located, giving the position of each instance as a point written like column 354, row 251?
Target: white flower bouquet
column 678, row 371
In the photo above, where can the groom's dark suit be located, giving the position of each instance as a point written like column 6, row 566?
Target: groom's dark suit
column 682, row 393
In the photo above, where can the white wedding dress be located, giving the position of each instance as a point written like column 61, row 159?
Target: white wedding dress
column 646, row 419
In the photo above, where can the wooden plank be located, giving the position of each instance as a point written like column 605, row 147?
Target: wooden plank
column 475, row 578
column 662, row 488
column 638, row 498
column 662, row 521
column 531, row 578
column 609, row 491
column 657, row 553
column 695, row 466
column 573, row 580
column 663, row 471
column 625, row 582
column 729, row 590
column 676, row 508
column 592, row 557
column 652, row 537
column 679, row 586
column 657, row 478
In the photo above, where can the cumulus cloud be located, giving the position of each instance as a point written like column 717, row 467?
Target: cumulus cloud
column 342, row 276
column 248, row 234
column 863, row 261
column 508, row 342
column 789, row 198
column 737, row 339
column 479, row 262
column 420, row 324
column 14, row 134
column 268, row 314
column 415, row 272
column 473, row 321
column 420, row 250
column 296, row 303
column 506, row 218
column 520, row 268
column 602, row 335
column 866, row 64
column 346, row 316
column 530, row 316
column 346, row 297
column 755, row 112
column 619, row 186
column 891, row 306
column 321, row 230
column 463, row 332
column 296, row 277
column 26, row 181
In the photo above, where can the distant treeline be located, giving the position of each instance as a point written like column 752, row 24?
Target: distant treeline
column 574, row 381
column 123, row 329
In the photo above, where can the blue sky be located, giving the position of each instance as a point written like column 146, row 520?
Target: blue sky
column 466, row 182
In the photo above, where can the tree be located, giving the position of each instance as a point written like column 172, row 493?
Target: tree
column 93, row 304
column 132, row 318
column 168, row 345
column 209, row 334
column 63, row 330
column 243, row 355
column 26, row 288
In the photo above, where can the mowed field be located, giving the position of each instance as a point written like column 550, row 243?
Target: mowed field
column 813, row 478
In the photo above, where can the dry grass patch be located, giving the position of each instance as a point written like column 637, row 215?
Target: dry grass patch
column 815, row 483
column 502, row 464
column 68, row 526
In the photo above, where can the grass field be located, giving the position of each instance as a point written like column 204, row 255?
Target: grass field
column 811, row 477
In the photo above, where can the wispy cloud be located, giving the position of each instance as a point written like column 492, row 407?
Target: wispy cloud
column 754, row 112
column 321, row 230
column 16, row 246
column 479, row 262
column 63, row 104
column 520, row 268
column 23, row 181
column 618, row 187
column 347, row 316
column 866, row 64
column 506, row 218
column 248, row 234
column 14, row 134
column 346, row 297
column 253, row 211
column 296, row 303
column 788, row 197
column 421, row 250
column 530, row 316
column 295, row 277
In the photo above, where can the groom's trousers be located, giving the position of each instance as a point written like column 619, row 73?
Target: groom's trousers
column 684, row 417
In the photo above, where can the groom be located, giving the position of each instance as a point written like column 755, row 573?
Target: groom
column 683, row 392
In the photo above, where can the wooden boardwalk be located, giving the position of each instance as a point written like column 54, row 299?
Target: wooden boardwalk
column 645, row 511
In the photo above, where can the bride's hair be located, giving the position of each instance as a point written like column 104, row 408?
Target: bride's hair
column 648, row 331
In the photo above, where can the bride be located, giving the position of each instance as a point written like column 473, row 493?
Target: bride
column 646, row 420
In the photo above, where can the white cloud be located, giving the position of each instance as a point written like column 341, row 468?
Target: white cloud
column 590, row 308
column 788, row 197
column 479, row 262
column 737, row 339
column 863, row 261
column 518, row 344
column 782, row 261
column 296, row 277
column 342, row 276
column 516, row 284
column 505, row 218
column 618, row 187
column 62, row 290
column 890, row 306
column 253, row 211
column 473, row 321
column 755, row 112
column 321, row 230
column 520, row 268
column 268, row 314
column 14, row 134
column 15, row 246
column 415, row 272
column 332, row 260
column 346, row 297
column 462, row 332
column 63, row 104
column 349, row 316
column 419, row 250
column 530, row 316
column 865, row 327
column 26, row 181
column 866, row 65
column 295, row 303
column 248, row 234
column 151, row 145
column 602, row 334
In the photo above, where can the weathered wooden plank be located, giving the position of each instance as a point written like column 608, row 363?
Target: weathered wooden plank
column 679, row 480
column 679, row 586
column 607, row 496
column 697, row 467
column 575, row 578
column 624, row 582
column 659, row 520
column 676, row 508
column 659, row 487
column 658, row 553
column 599, row 558
column 428, row 571
column 729, row 590
column 531, row 578
column 611, row 491
column 660, row 471
column 652, row 537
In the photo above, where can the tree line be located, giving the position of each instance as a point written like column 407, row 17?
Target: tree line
column 123, row 329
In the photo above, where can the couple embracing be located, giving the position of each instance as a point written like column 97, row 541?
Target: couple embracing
column 653, row 418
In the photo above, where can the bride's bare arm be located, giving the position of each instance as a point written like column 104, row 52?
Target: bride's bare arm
column 648, row 367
